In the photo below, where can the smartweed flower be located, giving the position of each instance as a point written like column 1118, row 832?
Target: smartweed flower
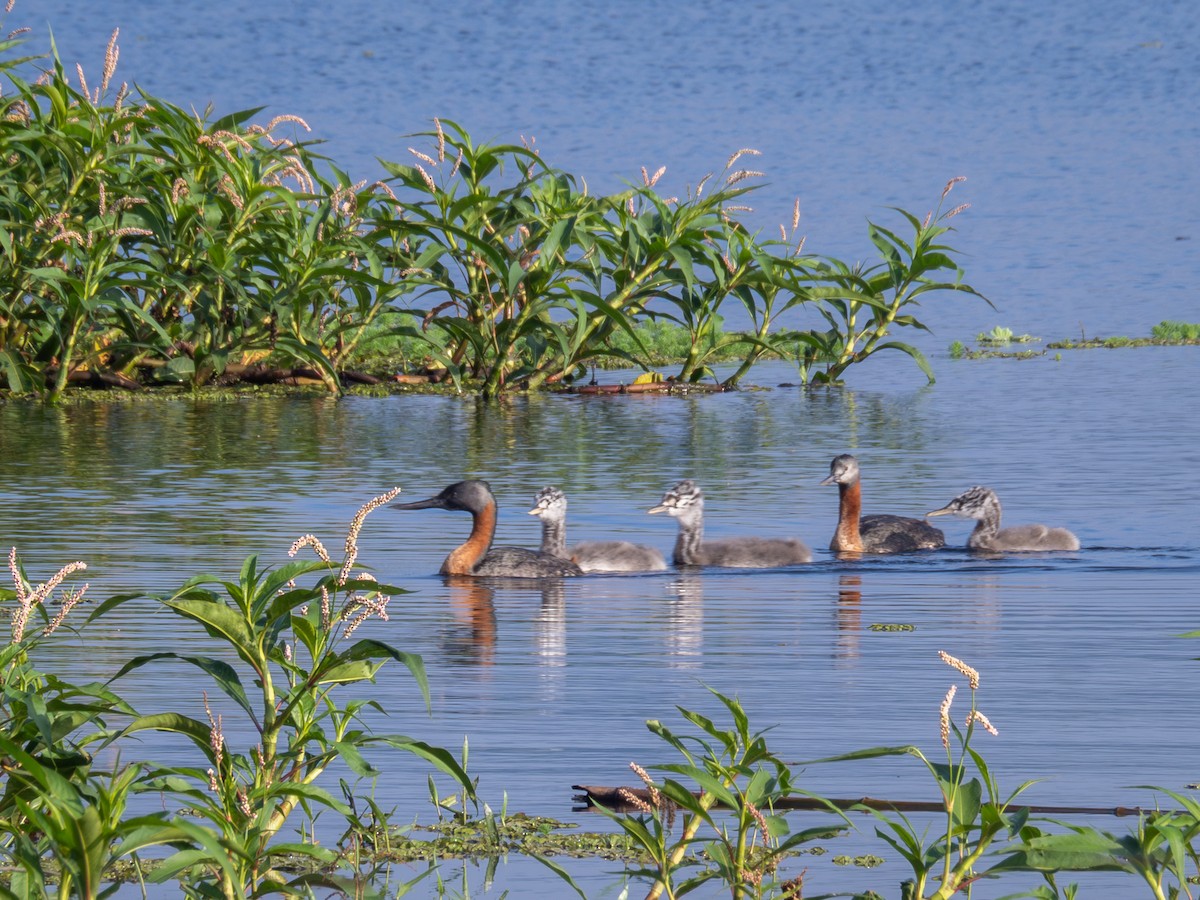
column 356, row 526
column 957, row 664
column 977, row 716
column 945, row 715
column 655, row 796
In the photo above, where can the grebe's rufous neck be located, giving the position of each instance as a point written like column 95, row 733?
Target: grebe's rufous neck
column 550, row 505
column 685, row 502
column 476, row 556
column 878, row 533
column 982, row 504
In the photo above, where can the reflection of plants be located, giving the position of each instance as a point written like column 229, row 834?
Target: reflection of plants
column 295, row 642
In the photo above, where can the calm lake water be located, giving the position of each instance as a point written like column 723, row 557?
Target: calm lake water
column 1077, row 126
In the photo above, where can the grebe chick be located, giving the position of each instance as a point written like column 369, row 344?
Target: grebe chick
column 982, row 504
column 477, row 556
column 685, row 502
column 877, row 533
column 550, row 505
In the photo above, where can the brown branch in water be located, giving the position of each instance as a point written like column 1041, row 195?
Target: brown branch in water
column 652, row 387
column 612, row 798
column 95, row 378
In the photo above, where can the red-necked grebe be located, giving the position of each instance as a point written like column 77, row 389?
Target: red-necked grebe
column 477, row 556
column 857, row 533
column 982, row 504
column 550, row 505
column 685, row 502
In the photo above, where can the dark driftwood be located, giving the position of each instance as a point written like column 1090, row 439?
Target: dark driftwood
column 95, row 378
column 614, row 798
column 258, row 374
column 650, row 387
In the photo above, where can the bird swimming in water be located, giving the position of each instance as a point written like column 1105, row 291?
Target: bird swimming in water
column 875, row 533
column 685, row 502
column 982, row 504
column 550, row 505
column 476, row 556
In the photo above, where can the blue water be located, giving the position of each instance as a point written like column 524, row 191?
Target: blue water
column 1077, row 128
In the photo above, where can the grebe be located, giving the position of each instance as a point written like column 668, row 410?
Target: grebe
column 876, row 533
column 550, row 505
column 981, row 503
column 685, row 502
column 477, row 556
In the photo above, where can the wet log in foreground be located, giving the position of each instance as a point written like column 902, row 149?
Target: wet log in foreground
column 617, row 799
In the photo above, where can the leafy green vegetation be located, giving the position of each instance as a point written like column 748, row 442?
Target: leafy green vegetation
column 60, row 817
column 1176, row 331
column 990, row 343
column 1162, row 334
column 142, row 245
column 1001, row 335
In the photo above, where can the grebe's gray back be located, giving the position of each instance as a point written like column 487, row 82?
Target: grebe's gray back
column 550, row 505
column 879, row 533
column 476, row 556
column 685, row 502
column 982, row 504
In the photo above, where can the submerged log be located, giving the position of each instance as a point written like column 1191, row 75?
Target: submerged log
column 649, row 387
column 96, row 378
column 616, row 799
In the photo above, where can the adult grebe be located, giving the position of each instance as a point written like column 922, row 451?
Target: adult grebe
column 876, row 533
column 550, row 505
column 982, row 504
column 685, row 502
column 477, row 556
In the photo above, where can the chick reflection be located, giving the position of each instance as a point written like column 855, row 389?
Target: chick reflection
column 685, row 621
column 551, row 623
column 474, row 639
column 848, row 616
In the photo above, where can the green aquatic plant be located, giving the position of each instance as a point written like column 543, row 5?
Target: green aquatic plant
column 295, row 644
column 862, row 305
column 976, row 813
column 490, row 228
column 1162, row 852
column 998, row 335
column 1001, row 335
column 141, row 244
column 1176, row 331
column 61, row 820
column 724, row 794
column 690, row 256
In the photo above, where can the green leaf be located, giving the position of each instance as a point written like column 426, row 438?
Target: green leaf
column 199, row 732
column 222, row 623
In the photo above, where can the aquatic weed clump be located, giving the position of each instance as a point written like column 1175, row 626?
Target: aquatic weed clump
column 297, row 643
column 149, row 246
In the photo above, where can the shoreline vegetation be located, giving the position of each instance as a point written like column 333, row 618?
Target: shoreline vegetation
column 144, row 245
